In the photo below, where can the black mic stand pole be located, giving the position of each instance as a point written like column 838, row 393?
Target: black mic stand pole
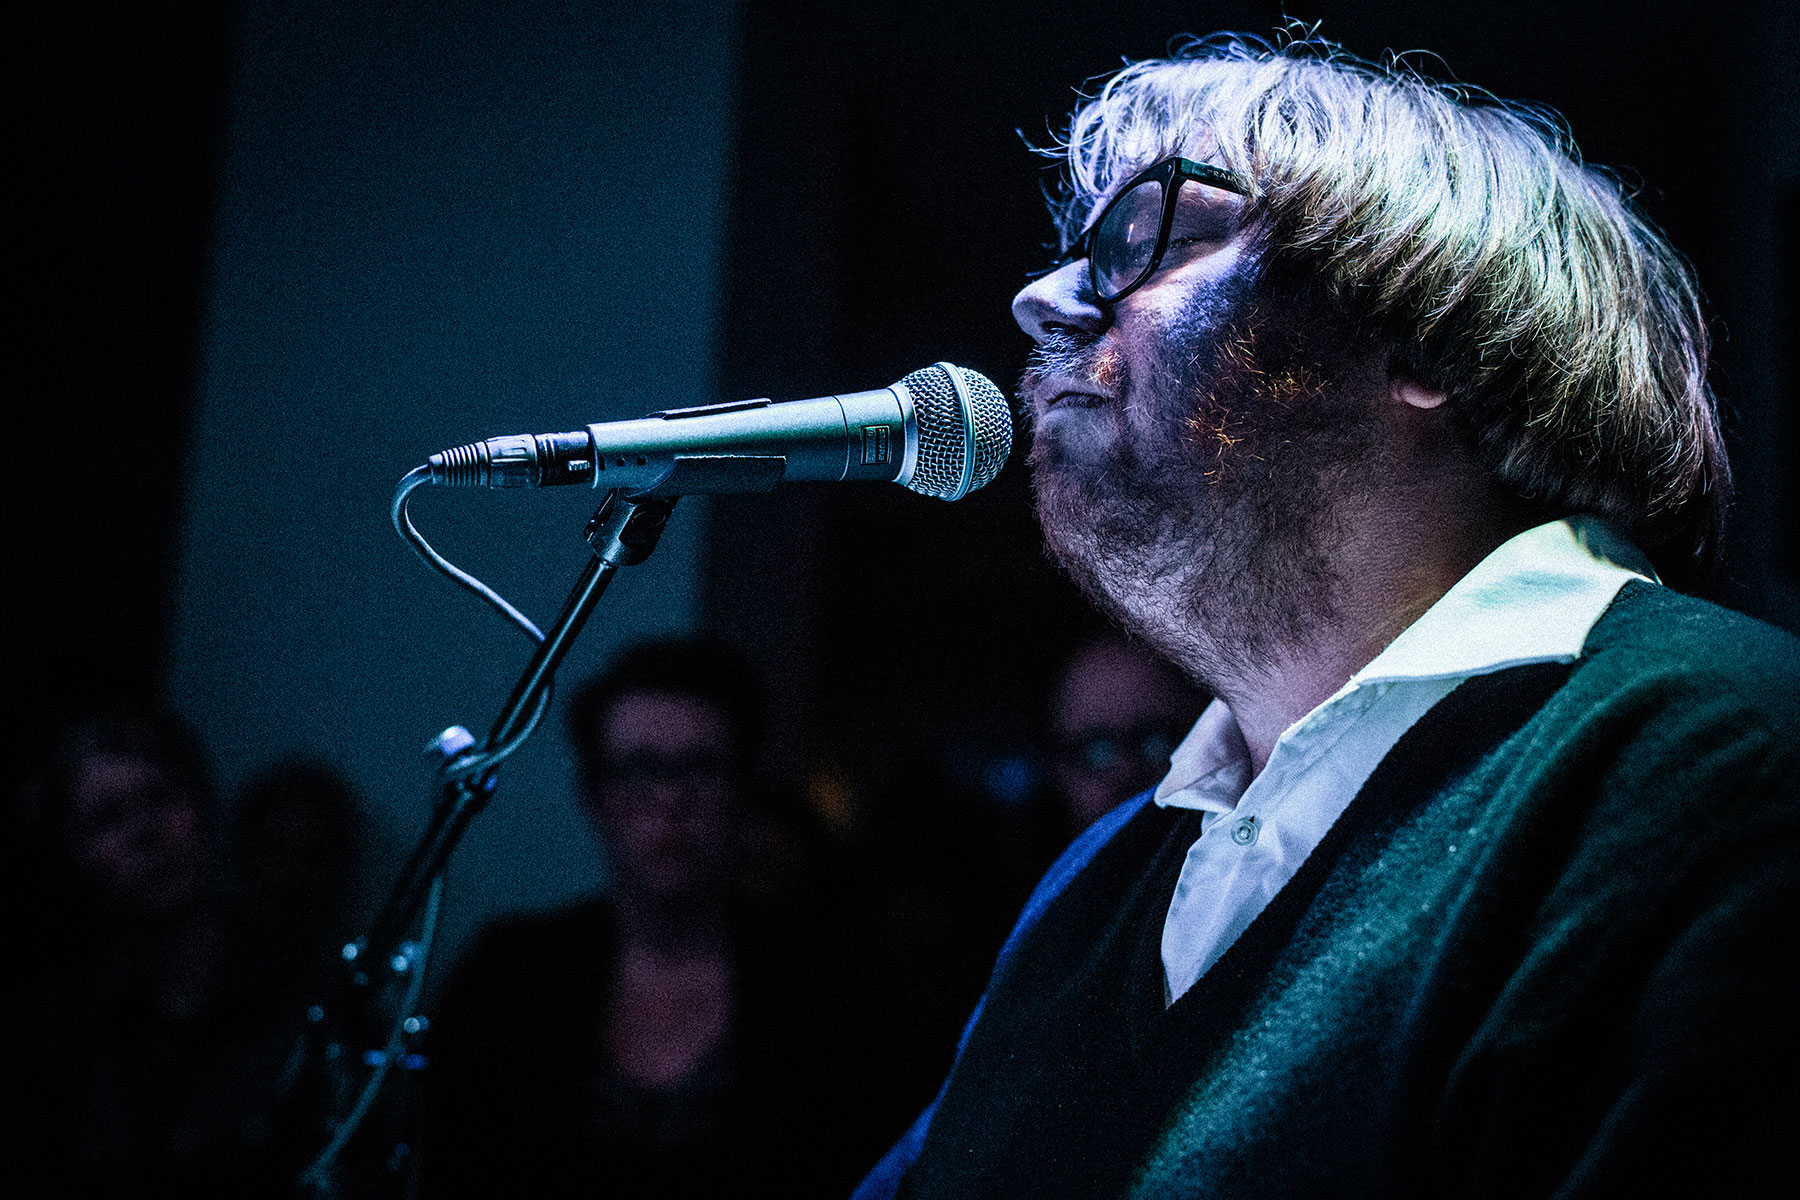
column 623, row 532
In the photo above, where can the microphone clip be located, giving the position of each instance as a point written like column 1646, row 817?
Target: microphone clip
column 624, row 530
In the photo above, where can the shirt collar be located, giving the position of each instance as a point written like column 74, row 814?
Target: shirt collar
column 1211, row 766
column 1533, row 599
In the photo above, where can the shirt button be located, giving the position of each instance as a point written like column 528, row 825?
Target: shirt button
column 1244, row 832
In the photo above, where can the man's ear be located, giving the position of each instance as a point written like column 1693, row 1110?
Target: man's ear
column 1407, row 390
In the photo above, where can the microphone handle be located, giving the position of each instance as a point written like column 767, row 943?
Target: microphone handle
column 742, row 446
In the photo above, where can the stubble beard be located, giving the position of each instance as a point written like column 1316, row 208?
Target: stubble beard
column 1205, row 523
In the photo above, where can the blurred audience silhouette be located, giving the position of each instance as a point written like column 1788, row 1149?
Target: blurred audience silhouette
column 683, row 1034
column 1116, row 713
column 296, row 847
column 146, row 1056
column 758, row 1002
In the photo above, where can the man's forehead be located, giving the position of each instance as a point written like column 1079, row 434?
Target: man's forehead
column 659, row 716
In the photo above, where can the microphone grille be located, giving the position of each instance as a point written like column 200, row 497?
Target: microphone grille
column 965, row 430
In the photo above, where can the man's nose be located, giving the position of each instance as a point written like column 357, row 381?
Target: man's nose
column 1063, row 299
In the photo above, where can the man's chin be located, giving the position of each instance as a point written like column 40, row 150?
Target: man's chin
column 1066, row 515
column 1082, row 536
column 1143, row 556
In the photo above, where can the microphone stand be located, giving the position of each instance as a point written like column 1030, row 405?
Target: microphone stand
column 623, row 532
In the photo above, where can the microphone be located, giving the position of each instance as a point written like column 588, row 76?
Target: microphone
column 942, row 431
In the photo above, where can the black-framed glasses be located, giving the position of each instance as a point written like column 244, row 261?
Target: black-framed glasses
column 1101, row 752
column 1127, row 243
column 642, row 768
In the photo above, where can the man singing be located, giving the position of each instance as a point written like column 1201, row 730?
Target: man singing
column 1383, row 416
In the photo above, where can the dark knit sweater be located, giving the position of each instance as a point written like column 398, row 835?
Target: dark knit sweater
column 1550, row 949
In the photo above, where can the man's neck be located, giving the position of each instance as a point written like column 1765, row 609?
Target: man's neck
column 1400, row 562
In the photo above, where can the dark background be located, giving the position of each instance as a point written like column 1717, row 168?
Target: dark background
column 121, row 113
column 884, row 209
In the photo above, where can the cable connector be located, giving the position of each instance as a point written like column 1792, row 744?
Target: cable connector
column 517, row 460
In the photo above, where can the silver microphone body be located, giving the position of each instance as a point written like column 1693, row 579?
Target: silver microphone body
column 942, row 431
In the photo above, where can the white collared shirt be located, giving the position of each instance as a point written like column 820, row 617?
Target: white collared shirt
column 1532, row 600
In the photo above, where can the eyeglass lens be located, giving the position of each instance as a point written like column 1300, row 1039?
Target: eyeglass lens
column 1103, row 752
column 649, row 768
column 1126, row 239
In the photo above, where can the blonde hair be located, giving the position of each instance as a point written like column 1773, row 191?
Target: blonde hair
column 1503, row 269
